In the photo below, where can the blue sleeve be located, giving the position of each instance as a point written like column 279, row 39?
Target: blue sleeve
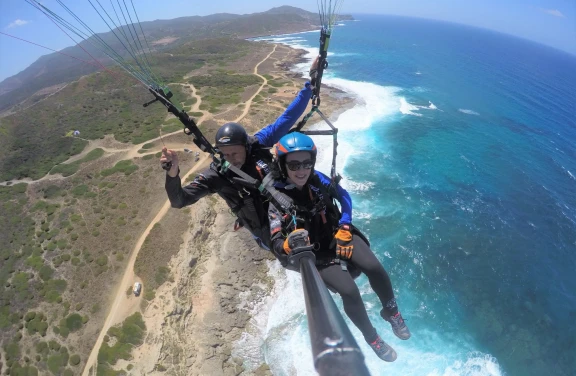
column 342, row 196
column 272, row 133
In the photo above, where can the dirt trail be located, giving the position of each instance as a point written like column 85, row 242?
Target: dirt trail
column 249, row 101
column 132, row 151
column 121, row 307
column 129, row 152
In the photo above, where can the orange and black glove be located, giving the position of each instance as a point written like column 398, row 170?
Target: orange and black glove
column 297, row 238
column 344, row 245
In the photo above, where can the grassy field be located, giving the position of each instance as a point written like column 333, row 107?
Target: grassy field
column 220, row 88
column 35, row 140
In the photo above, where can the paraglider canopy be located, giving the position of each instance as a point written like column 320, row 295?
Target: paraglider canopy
column 76, row 133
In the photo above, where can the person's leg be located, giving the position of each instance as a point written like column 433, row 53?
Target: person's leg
column 341, row 282
column 368, row 263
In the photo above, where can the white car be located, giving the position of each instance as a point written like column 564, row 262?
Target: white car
column 137, row 288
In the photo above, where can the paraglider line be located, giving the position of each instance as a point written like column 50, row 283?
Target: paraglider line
column 48, row 48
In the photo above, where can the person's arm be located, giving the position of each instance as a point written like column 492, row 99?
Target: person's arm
column 342, row 196
column 183, row 196
column 271, row 134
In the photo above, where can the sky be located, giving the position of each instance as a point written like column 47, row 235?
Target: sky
column 550, row 22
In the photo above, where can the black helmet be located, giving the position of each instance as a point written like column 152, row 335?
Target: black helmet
column 231, row 134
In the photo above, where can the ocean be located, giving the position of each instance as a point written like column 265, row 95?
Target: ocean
column 460, row 157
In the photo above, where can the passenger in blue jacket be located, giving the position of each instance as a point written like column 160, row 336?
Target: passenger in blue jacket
column 249, row 153
column 339, row 247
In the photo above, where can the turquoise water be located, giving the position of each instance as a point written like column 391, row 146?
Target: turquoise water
column 461, row 160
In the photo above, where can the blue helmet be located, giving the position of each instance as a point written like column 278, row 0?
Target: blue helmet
column 293, row 142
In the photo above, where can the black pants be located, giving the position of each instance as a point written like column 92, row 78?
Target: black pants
column 340, row 281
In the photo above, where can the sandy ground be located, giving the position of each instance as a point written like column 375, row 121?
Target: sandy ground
column 124, row 305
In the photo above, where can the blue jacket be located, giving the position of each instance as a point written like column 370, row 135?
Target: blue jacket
column 272, row 133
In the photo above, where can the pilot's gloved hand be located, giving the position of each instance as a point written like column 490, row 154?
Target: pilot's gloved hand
column 297, row 238
column 343, row 240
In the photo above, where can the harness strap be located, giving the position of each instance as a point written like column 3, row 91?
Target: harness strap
column 322, row 212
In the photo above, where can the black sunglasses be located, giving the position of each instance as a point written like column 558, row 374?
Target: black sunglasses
column 296, row 165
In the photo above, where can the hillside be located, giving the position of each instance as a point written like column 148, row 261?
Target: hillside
column 54, row 69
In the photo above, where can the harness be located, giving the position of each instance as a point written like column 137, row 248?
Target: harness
column 246, row 186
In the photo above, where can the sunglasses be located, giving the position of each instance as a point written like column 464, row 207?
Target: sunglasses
column 296, row 165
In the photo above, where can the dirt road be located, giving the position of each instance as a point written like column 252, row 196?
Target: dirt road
column 121, row 307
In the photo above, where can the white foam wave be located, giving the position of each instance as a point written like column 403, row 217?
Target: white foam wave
column 432, row 106
column 282, row 39
column 407, row 108
column 468, row 112
column 375, row 103
column 418, row 73
column 419, row 89
column 360, row 215
column 476, row 365
column 345, row 54
column 360, row 186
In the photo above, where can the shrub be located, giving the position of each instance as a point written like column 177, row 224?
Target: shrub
column 102, row 260
column 74, row 360
column 73, row 322
column 54, row 345
column 46, row 272
column 80, row 190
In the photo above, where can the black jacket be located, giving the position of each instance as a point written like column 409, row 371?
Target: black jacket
column 248, row 206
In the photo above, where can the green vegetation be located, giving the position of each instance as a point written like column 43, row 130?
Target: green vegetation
column 67, row 169
column 96, row 105
column 190, row 102
column 74, row 360
column 53, row 191
column 58, row 360
column 58, row 236
column 127, row 167
column 129, row 334
column 73, row 322
column 220, row 88
column 80, row 190
column 276, row 83
column 46, row 272
column 36, row 323
column 162, row 275
column 171, row 128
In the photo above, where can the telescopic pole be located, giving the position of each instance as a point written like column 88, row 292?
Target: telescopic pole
column 334, row 349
